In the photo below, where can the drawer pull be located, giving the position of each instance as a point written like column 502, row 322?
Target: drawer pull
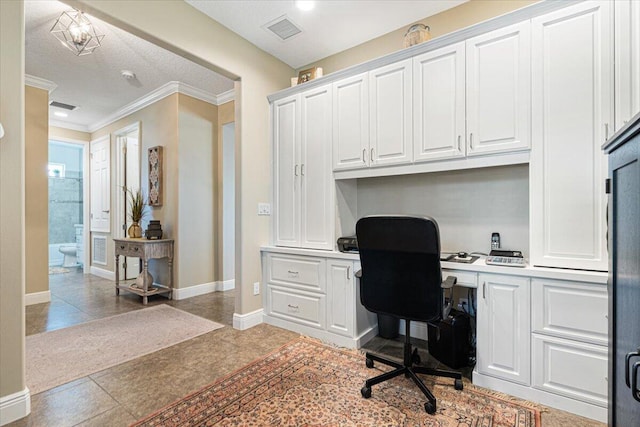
column 135, row 249
column 121, row 246
column 293, row 273
column 293, row 307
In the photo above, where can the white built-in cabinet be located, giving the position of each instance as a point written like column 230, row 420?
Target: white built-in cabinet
column 316, row 296
column 390, row 118
column 504, row 327
column 303, row 188
column 351, row 122
column 627, row 55
column 439, row 104
column 473, row 97
column 572, row 111
column 499, row 90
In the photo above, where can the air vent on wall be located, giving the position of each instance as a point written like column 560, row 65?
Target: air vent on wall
column 283, row 27
column 62, row 105
column 99, row 250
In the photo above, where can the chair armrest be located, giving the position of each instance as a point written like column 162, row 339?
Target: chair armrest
column 359, row 273
column 449, row 282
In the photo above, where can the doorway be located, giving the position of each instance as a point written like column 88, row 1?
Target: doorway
column 127, row 182
column 67, row 211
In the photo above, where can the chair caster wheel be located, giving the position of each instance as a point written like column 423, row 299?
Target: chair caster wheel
column 430, row 408
column 369, row 363
column 366, row 392
column 458, row 384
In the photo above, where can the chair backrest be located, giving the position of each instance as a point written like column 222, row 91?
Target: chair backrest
column 400, row 259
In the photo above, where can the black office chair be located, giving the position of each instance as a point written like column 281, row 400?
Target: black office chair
column 401, row 277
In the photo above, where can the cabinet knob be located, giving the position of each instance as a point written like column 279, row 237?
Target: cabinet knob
column 121, row 246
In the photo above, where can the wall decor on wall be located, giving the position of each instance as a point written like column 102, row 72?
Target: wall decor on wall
column 155, row 176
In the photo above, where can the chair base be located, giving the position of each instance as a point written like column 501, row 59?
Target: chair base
column 411, row 371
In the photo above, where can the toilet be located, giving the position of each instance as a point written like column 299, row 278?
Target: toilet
column 70, row 258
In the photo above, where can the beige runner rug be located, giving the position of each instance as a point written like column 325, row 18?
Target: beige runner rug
column 57, row 357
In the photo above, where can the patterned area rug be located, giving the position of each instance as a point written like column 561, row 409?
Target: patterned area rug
column 306, row 383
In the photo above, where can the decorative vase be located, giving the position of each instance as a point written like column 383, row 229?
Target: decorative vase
column 144, row 281
column 135, row 231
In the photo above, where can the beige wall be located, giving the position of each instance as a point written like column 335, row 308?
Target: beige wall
column 36, row 189
column 12, row 276
column 182, row 29
column 197, row 177
column 63, row 134
column 158, row 126
column 459, row 17
column 226, row 114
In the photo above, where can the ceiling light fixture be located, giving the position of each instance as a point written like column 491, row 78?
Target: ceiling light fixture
column 60, row 114
column 75, row 31
column 305, row 5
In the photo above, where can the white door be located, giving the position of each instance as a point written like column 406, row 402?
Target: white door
column 627, row 45
column 317, row 201
column 390, row 114
column 351, row 123
column 439, row 104
column 100, row 185
column 572, row 110
column 286, row 142
column 499, row 90
column 504, row 328
column 341, row 290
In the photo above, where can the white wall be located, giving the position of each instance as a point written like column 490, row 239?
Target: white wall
column 468, row 205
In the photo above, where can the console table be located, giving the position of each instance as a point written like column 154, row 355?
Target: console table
column 145, row 250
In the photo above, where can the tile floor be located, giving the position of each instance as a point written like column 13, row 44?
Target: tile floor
column 122, row 394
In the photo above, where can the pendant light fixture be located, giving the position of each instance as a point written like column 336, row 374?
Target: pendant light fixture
column 76, row 32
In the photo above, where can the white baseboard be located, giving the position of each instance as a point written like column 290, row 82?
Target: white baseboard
column 37, row 298
column 101, row 272
column 15, row 406
column 194, row 291
column 226, row 285
column 246, row 321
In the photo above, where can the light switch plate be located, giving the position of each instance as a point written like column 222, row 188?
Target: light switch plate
column 256, row 288
column 264, row 209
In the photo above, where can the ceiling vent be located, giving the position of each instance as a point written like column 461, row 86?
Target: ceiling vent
column 62, row 105
column 282, row 27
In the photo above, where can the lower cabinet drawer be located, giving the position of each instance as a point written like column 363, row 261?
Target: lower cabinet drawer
column 301, row 307
column 307, row 273
column 468, row 279
column 570, row 368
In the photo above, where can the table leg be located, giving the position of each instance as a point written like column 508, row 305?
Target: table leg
column 117, row 274
column 170, row 265
column 145, row 285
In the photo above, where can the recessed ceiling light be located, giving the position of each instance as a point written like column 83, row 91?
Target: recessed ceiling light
column 305, row 5
column 60, row 114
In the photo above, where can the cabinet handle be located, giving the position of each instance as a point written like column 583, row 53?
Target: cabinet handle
column 459, row 146
column 295, row 307
column 302, row 170
column 364, row 151
column 627, row 359
column 471, row 140
column 634, row 382
column 295, row 273
column 122, row 247
column 348, row 275
column 371, row 158
column 135, row 249
column 606, row 131
column 295, row 170
column 484, row 293
column 107, row 211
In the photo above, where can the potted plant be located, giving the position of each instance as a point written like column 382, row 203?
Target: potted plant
column 136, row 212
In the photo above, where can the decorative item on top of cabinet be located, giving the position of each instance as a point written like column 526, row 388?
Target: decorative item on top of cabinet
column 416, row 34
column 155, row 176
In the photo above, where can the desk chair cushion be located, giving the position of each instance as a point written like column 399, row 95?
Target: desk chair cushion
column 400, row 259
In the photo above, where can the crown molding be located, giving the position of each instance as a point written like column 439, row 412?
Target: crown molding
column 40, row 83
column 155, row 96
column 225, row 97
column 70, row 126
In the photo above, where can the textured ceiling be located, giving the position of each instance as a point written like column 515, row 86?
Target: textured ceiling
column 94, row 82
column 331, row 27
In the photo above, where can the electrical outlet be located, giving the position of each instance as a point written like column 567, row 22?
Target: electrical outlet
column 264, row 209
column 256, row 288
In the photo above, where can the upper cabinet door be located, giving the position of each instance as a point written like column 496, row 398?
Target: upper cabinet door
column 627, row 45
column 286, row 197
column 316, row 208
column 439, row 104
column 390, row 96
column 499, row 90
column 572, row 111
column 351, row 123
